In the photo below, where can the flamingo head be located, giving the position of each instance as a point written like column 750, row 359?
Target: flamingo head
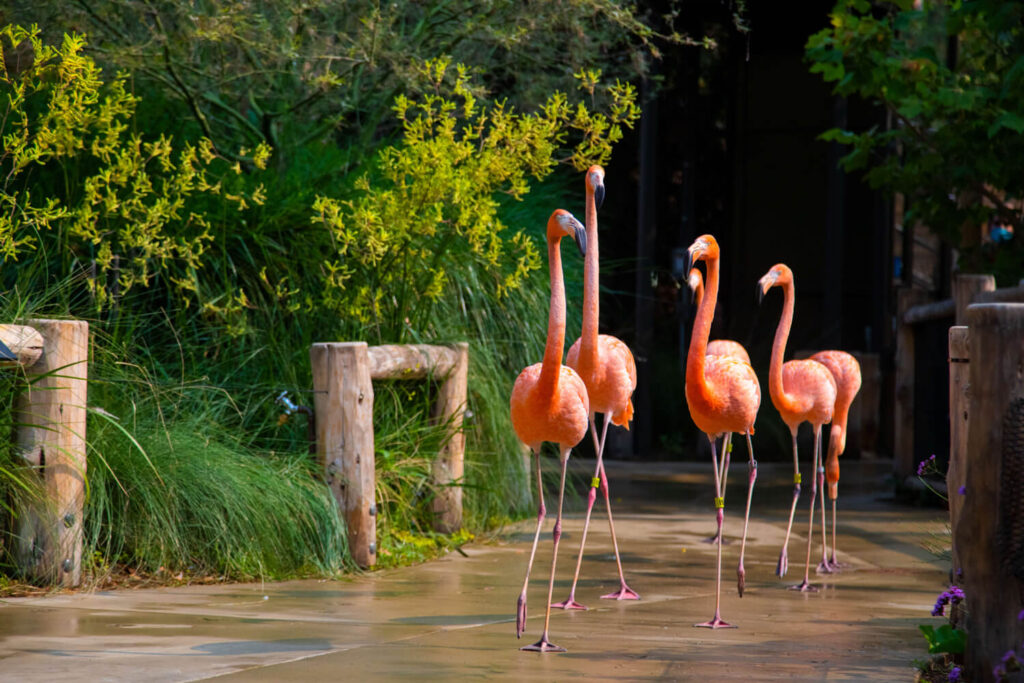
column 595, row 183
column 703, row 248
column 779, row 275
column 695, row 281
column 564, row 224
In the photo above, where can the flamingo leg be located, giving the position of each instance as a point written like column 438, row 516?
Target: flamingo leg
column 741, row 573
column 570, row 602
column 545, row 645
column 836, row 564
column 823, row 567
column 806, row 586
column 727, row 450
column 541, row 511
column 783, row 565
column 716, row 621
column 624, row 592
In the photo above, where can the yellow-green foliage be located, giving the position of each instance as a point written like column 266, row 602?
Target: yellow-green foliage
column 432, row 209
column 104, row 194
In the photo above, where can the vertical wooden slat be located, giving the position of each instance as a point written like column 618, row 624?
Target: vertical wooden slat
column 344, row 422
column 903, row 426
column 959, row 378
column 994, row 595
column 448, row 468
column 51, row 419
column 966, row 288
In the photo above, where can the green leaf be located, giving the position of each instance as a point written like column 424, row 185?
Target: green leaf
column 1007, row 119
column 943, row 639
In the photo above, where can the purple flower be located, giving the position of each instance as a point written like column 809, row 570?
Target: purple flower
column 999, row 672
column 962, row 490
column 1020, row 615
column 1009, row 658
column 920, row 467
column 954, row 674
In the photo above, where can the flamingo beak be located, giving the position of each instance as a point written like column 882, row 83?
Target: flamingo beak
column 599, row 195
column 580, row 237
column 764, row 284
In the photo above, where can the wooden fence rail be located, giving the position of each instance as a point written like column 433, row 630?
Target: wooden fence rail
column 342, row 379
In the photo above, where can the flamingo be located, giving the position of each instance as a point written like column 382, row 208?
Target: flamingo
column 846, row 372
column 718, row 347
column 549, row 403
column 607, row 368
column 723, row 396
column 802, row 391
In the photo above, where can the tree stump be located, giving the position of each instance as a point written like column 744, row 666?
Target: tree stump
column 989, row 535
column 959, row 381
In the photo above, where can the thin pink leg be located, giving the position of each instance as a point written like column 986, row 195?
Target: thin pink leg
column 823, row 567
column 783, row 565
column 806, row 586
column 741, row 573
column 545, row 645
column 837, row 566
column 570, row 602
column 521, row 605
column 624, row 592
column 716, row 621
column 727, row 450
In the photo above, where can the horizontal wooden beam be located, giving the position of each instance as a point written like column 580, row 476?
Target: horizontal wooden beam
column 1004, row 295
column 26, row 343
column 923, row 313
column 411, row 361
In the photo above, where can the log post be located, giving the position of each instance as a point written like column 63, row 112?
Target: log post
column 989, row 535
column 51, row 417
column 956, row 475
column 25, row 342
column 448, row 468
column 344, row 425
column 966, row 288
column 903, row 428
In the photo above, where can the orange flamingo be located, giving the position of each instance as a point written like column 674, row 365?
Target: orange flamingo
column 723, row 396
column 846, row 372
column 549, row 403
column 802, row 391
column 718, row 347
column 607, row 368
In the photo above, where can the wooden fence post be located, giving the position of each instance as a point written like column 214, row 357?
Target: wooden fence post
column 448, row 469
column 989, row 535
column 966, row 288
column 51, row 418
column 959, row 378
column 903, row 428
column 344, row 426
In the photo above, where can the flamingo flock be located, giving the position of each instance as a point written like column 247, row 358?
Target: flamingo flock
column 557, row 402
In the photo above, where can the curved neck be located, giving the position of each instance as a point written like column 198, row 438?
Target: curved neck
column 702, row 327
column 779, row 346
column 591, row 295
column 698, row 293
column 552, row 364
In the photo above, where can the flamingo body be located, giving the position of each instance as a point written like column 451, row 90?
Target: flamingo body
column 809, row 395
column 610, row 383
column 561, row 417
column 728, row 399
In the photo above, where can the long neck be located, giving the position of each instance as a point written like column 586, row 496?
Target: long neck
column 552, row 364
column 591, row 296
column 779, row 346
column 702, row 327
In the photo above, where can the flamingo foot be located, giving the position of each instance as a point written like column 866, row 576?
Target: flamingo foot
column 521, row 616
column 783, row 566
column 543, row 645
column 713, row 539
column 714, row 623
column 569, row 603
column 824, row 567
column 804, row 587
column 836, row 565
column 624, row 593
column 741, row 579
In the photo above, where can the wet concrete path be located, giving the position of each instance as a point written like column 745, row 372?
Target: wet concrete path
column 454, row 618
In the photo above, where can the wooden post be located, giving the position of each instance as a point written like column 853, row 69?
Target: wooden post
column 965, row 289
column 448, row 468
column 344, row 426
column 903, row 428
column 24, row 341
column 51, row 435
column 989, row 535
column 956, row 475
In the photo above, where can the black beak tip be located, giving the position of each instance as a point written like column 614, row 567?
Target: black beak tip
column 693, row 296
column 599, row 196
column 581, row 240
column 689, row 261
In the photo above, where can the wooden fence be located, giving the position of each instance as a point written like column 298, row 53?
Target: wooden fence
column 342, row 379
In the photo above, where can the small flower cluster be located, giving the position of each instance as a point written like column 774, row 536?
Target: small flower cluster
column 1010, row 661
column 925, row 466
column 952, row 596
column 954, row 674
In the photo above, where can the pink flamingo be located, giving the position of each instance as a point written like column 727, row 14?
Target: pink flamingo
column 723, row 396
column 606, row 366
column 719, row 347
column 549, row 403
column 846, row 371
column 802, row 390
